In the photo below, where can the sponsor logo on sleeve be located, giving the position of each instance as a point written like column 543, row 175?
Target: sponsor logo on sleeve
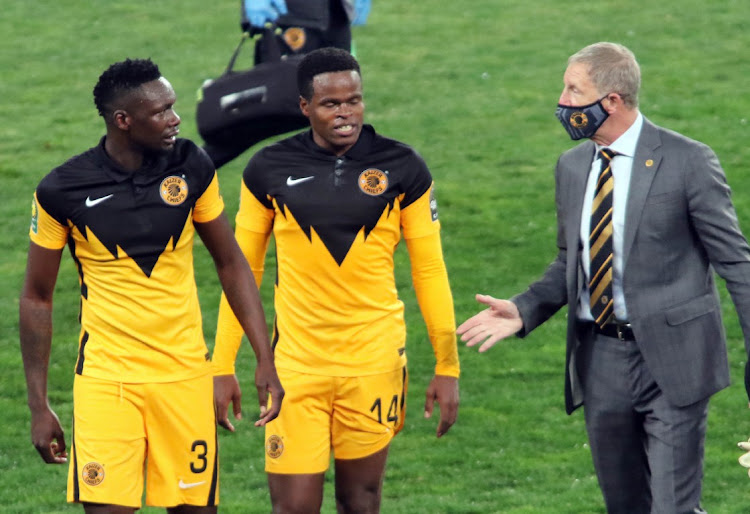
column 433, row 205
column 34, row 217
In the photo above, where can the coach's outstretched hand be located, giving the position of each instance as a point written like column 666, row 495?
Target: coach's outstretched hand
column 500, row 320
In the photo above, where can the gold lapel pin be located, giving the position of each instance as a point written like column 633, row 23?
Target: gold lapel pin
column 649, row 163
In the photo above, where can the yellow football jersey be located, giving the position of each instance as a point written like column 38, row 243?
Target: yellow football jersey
column 131, row 236
column 336, row 223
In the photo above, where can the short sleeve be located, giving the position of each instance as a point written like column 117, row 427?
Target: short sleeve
column 210, row 204
column 45, row 230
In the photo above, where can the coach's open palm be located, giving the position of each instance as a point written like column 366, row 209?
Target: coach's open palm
column 500, row 320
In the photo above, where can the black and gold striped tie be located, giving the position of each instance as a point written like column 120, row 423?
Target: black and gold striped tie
column 600, row 243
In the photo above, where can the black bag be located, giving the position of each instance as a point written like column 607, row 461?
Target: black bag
column 239, row 109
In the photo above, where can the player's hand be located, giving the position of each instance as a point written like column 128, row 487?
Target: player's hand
column 260, row 12
column 227, row 390
column 267, row 382
column 444, row 391
column 745, row 457
column 47, row 436
column 361, row 11
column 500, row 320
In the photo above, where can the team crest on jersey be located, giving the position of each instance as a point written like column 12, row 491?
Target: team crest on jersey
column 579, row 119
column 34, row 217
column 274, row 446
column 295, row 37
column 93, row 473
column 373, row 182
column 173, row 190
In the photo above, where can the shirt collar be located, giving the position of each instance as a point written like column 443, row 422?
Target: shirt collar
column 120, row 174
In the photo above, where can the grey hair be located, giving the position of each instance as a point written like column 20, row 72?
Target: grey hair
column 612, row 68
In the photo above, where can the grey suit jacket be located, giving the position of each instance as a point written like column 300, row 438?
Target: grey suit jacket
column 680, row 226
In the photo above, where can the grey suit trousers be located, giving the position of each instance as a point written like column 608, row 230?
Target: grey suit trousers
column 648, row 453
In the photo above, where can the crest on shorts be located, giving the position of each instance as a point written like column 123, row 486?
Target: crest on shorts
column 579, row 119
column 295, row 37
column 93, row 473
column 173, row 190
column 373, row 182
column 274, row 446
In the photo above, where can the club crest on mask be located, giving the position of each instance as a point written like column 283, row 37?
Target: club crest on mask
column 582, row 121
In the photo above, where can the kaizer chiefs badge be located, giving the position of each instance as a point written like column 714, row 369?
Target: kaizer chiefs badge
column 579, row 119
column 274, row 446
column 93, row 473
column 373, row 182
column 173, row 190
column 295, row 37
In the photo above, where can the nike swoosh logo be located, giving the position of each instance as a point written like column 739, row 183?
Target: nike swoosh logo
column 294, row 181
column 91, row 203
column 184, row 485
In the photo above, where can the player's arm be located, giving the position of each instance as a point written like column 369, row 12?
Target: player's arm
column 229, row 332
column 430, row 278
column 35, row 327
column 242, row 296
column 435, row 300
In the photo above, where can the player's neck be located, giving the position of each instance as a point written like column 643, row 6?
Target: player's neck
column 124, row 155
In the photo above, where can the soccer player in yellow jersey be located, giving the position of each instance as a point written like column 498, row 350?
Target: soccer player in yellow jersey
column 337, row 199
column 128, row 209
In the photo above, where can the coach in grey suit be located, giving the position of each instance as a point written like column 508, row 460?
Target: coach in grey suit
column 646, row 370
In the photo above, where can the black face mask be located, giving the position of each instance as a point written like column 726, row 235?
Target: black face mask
column 582, row 121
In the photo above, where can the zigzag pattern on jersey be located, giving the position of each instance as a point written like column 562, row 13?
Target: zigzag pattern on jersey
column 143, row 238
column 340, row 224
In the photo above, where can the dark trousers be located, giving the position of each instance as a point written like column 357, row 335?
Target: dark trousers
column 648, row 453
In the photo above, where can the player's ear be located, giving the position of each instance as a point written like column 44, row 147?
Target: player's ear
column 304, row 105
column 121, row 119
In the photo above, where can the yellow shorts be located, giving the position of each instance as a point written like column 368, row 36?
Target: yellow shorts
column 165, row 430
column 353, row 416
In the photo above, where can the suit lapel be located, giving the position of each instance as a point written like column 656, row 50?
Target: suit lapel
column 645, row 163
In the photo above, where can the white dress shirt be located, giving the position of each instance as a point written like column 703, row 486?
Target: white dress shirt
column 622, row 167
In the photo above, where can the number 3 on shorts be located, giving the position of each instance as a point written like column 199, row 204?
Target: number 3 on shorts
column 200, row 448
